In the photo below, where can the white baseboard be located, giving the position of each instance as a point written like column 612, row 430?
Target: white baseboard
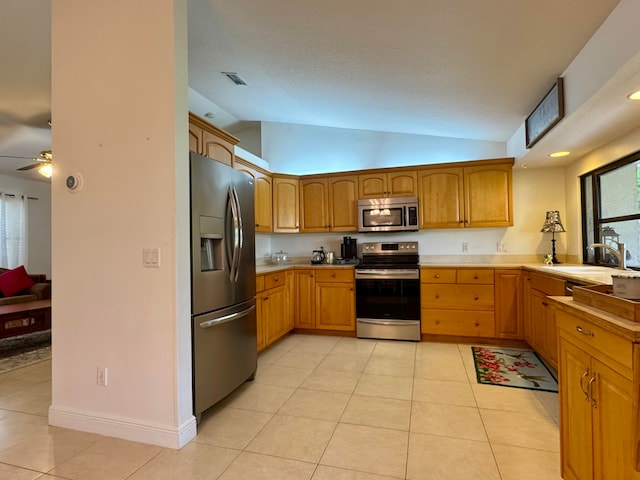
column 125, row 428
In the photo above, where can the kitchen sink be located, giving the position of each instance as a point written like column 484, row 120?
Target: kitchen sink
column 581, row 269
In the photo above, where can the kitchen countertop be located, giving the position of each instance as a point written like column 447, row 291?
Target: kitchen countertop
column 588, row 274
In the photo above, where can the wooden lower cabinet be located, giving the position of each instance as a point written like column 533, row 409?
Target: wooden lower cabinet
column 539, row 314
column 457, row 302
column 508, row 303
column 597, row 400
column 274, row 308
column 325, row 299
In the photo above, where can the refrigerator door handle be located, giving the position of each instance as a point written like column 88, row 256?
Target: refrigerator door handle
column 227, row 318
column 238, row 244
column 232, row 244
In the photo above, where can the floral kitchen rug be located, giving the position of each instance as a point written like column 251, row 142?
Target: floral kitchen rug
column 511, row 367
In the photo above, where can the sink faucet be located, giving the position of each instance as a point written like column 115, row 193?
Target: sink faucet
column 619, row 253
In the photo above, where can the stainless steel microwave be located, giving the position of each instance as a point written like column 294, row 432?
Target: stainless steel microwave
column 388, row 214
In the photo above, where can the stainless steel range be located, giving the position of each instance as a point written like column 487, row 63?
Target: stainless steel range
column 388, row 291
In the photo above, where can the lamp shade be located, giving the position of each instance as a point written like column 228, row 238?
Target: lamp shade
column 552, row 222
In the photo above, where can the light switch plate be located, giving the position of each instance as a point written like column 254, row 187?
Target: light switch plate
column 151, row 257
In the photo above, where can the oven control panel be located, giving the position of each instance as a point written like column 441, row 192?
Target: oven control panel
column 390, row 248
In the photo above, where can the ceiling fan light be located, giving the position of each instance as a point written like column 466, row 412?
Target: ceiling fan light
column 46, row 170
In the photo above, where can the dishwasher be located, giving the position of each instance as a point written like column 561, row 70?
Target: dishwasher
column 568, row 287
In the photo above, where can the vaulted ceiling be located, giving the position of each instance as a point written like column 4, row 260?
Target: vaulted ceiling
column 453, row 68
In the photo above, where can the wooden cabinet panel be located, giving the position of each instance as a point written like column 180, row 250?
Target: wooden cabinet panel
column 314, row 205
column 259, row 323
column 275, row 279
column 285, row 205
column 343, row 203
column 208, row 140
column 473, row 196
column 335, row 306
column 539, row 315
column 305, row 299
column 274, row 311
column 576, row 430
column 598, row 399
column 438, row 275
column 402, row 183
column 508, row 304
column 458, row 322
column 373, row 185
column 473, row 297
column 263, row 193
column 441, row 198
column 344, row 275
column 458, row 302
column 488, row 194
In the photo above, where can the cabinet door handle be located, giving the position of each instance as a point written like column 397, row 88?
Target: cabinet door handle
column 437, row 296
column 581, row 330
column 265, row 298
column 544, row 304
column 437, row 275
column 475, row 277
column 584, row 375
column 476, row 297
column 437, row 322
column 477, row 324
column 590, row 392
column 333, row 275
column 276, row 279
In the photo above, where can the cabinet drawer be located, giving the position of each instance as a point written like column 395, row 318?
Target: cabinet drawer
column 478, row 276
column 341, row 275
column 594, row 337
column 438, row 275
column 259, row 283
column 458, row 322
column 275, row 279
column 548, row 285
column 465, row 297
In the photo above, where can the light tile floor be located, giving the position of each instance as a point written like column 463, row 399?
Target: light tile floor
column 320, row 408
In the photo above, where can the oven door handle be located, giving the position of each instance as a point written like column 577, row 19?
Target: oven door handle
column 387, row 322
column 388, row 274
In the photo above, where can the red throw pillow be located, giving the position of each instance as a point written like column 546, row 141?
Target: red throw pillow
column 14, row 281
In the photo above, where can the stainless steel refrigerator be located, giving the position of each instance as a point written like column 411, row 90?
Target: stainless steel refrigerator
column 223, row 281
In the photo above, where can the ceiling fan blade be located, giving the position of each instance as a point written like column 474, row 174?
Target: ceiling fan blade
column 16, row 156
column 29, row 167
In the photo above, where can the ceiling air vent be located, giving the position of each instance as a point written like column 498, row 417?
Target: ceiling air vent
column 235, row 78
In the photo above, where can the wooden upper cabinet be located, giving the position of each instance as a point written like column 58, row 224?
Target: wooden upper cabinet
column 488, row 196
column 314, row 203
column 285, row 204
column 474, row 196
column 343, row 203
column 210, row 141
column 401, row 183
column 263, row 193
column 329, row 204
column 441, row 198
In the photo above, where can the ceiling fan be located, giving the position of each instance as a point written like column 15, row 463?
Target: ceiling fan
column 42, row 162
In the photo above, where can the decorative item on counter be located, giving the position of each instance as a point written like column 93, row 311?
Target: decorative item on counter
column 626, row 285
column 280, row 258
column 548, row 259
column 553, row 224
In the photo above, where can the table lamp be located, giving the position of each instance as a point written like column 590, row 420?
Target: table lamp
column 553, row 224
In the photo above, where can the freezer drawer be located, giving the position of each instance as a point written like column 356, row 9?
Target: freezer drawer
column 224, row 353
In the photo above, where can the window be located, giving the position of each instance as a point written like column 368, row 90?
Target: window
column 13, row 231
column 611, row 211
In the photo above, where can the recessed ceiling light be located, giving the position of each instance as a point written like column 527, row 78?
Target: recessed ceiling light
column 210, row 115
column 634, row 96
column 235, row 78
column 559, row 154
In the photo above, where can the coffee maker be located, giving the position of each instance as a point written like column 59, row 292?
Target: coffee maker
column 349, row 248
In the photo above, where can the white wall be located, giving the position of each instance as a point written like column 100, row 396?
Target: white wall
column 39, row 220
column 127, row 137
column 305, row 149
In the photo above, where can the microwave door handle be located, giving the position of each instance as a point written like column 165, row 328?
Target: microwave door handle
column 405, row 216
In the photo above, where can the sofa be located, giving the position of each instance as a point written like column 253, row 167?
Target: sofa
column 38, row 287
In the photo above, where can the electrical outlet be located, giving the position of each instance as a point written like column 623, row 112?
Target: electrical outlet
column 501, row 247
column 101, row 376
column 465, row 247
